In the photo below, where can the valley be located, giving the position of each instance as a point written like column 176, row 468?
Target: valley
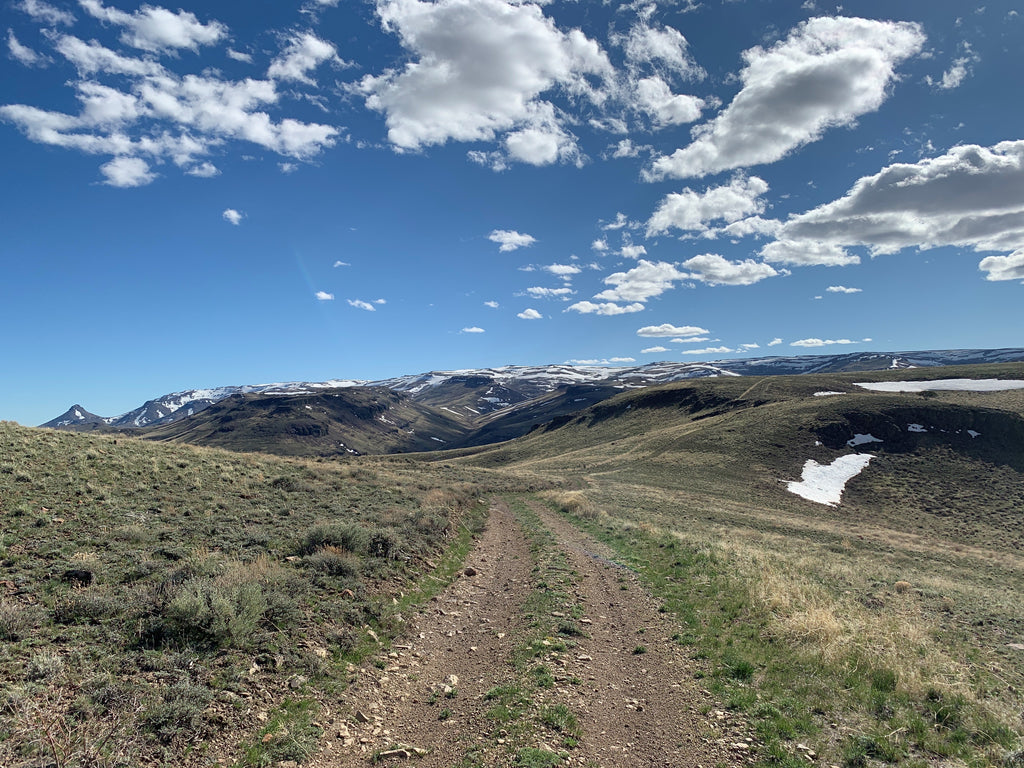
column 629, row 582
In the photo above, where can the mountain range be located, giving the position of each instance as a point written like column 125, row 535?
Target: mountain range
column 443, row 409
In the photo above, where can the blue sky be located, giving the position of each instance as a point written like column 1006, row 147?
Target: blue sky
column 238, row 193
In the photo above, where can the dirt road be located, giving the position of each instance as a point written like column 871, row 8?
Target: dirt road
column 627, row 684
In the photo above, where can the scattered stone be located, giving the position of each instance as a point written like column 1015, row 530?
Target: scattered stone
column 360, row 716
column 470, row 571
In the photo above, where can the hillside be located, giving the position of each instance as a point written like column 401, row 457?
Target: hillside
column 690, row 602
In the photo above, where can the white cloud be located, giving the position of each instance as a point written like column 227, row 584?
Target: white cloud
column 510, row 240
column 46, row 13
column 600, row 245
column 360, row 304
column 807, row 253
column 324, row 296
column 654, row 350
column 692, row 340
column 714, row 269
column 775, row 342
column 957, row 72
column 825, row 74
column 380, row 301
column 304, row 53
column 23, row 54
column 665, row 330
column 127, row 172
column 478, row 69
column 664, row 47
column 491, row 304
column 969, row 197
column 205, row 170
column 1004, row 267
column 655, row 98
column 288, row 167
column 341, row 264
column 539, row 292
column 158, row 29
column 564, row 271
column 692, row 211
column 241, row 56
column 618, row 222
column 529, row 314
column 754, row 225
column 748, row 347
column 472, row 329
column 606, row 308
column 645, row 281
column 632, row 251
column 812, row 342
column 621, row 359
column 842, row 289
column 707, row 351
column 233, row 216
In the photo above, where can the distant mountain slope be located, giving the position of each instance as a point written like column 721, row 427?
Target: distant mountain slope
column 474, row 392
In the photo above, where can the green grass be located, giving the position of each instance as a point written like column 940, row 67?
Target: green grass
column 148, row 581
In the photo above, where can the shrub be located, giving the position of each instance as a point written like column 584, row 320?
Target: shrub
column 177, row 711
column 350, row 537
column 206, row 613
column 17, row 620
column 333, row 562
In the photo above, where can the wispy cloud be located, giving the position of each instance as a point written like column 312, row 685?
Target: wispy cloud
column 360, row 304
column 472, row 329
column 666, row 330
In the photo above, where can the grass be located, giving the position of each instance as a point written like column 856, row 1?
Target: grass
column 157, row 600
column 792, row 641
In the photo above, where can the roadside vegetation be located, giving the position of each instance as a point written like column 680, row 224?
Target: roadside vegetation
column 849, row 651
column 163, row 604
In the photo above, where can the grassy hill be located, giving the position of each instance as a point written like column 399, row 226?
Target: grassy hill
column 887, row 629
column 154, row 599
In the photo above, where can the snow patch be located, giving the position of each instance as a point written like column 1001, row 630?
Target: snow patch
column 960, row 385
column 972, row 433
column 860, row 439
column 916, row 428
column 826, row 394
column 825, row 483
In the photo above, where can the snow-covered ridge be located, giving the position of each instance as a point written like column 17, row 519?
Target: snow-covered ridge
column 530, row 381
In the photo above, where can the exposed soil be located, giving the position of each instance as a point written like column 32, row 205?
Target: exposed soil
column 632, row 688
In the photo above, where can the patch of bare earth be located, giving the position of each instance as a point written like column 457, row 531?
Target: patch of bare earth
column 635, row 708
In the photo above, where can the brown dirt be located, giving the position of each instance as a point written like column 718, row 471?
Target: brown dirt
column 635, row 709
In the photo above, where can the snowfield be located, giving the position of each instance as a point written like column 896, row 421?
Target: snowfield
column 961, row 385
column 824, row 483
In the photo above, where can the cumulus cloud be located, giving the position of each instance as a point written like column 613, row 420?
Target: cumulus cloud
column 204, row 170
column 655, row 98
column 360, row 304
column 714, row 269
column 304, row 53
column 606, row 308
column 472, row 329
column 693, row 211
column 707, row 351
column 157, row 29
column 813, row 342
column 666, row 330
column 529, row 314
column 324, row 296
column 23, row 54
column 478, row 70
column 775, row 342
column 969, row 197
column 632, row 251
column 45, row 13
column 232, row 216
column 564, row 271
column 152, row 114
column 645, row 281
column 654, row 350
column 1004, row 267
column 127, row 172
column 826, row 73
column 842, row 289
column 539, row 292
column 510, row 240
